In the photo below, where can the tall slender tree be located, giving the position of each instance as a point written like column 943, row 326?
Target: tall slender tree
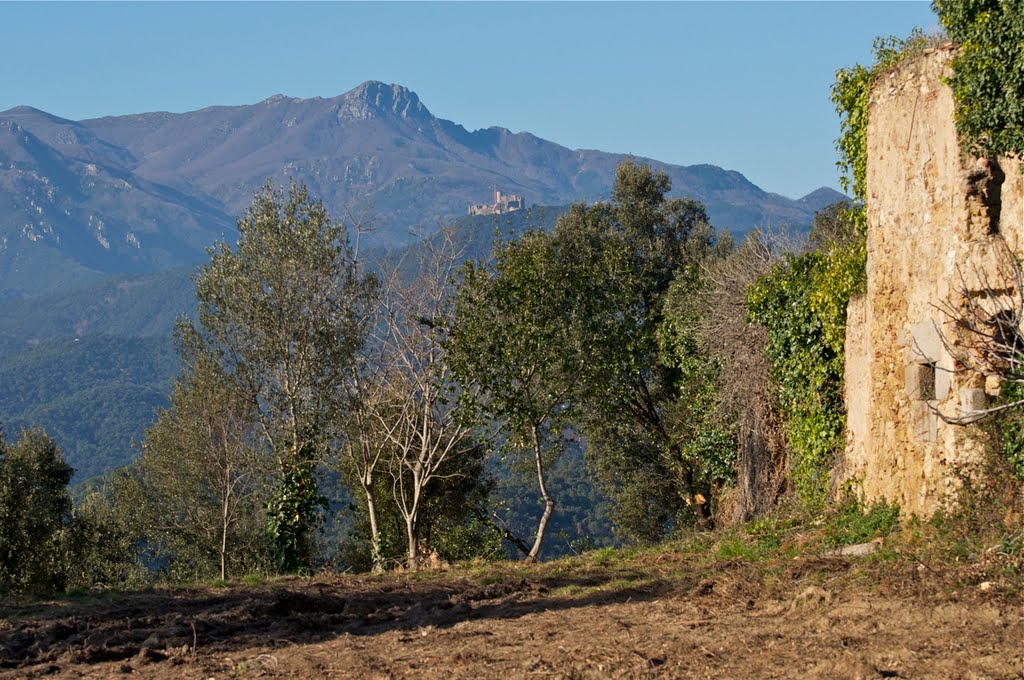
column 284, row 312
column 516, row 338
column 203, row 476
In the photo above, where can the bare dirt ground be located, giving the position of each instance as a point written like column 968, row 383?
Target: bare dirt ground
column 653, row 615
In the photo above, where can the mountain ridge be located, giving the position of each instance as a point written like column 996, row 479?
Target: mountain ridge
column 166, row 185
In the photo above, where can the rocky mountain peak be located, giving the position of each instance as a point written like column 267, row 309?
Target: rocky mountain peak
column 275, row 99
column 374, row 99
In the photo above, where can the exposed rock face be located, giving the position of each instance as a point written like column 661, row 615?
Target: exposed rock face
column 934, row 217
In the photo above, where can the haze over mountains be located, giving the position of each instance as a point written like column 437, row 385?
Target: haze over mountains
column 142, row 193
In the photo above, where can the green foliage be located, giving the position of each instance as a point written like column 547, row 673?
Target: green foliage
column 515, row 346
column 988, row 73
column 470, row 540
column 284, row 313
column 630, row 395
column 293, row 511
column 202, row 478
column 583, row 515
column 35, row 512
column 707, row 441
column 855, row 523
column 93, row 396
column 739, row 548
column 105, row 542
column 803, row 305
column 513, row 335
column 125, row 306
column 450, row 520
column 1011, row 428
column 850, row 96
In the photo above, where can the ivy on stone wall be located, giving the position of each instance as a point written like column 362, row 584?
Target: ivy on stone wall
column 802, row 303
column 988, row 73
column 850, row 96
column 1011, row 429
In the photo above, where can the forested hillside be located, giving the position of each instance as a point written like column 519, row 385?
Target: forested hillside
column 93, row 394
column 110, row 346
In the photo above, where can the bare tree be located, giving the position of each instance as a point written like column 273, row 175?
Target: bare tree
column 364, row 450
column 745, row 394
column 985, row 316
column 418, row 412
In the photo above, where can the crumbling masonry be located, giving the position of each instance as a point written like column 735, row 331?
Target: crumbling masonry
column 934, row 221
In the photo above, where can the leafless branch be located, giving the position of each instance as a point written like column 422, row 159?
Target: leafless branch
column 985, row 314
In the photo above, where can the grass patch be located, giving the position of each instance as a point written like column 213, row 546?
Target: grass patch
column 737, row 548
column 854, row 523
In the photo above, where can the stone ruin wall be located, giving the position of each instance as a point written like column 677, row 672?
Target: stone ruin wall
column 932, row 213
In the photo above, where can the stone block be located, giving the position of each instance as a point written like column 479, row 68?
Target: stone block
column 992, row 385
column 972, row 400
column 925, row 422
column 919, row 381
column 926, row 342
column 943, row 383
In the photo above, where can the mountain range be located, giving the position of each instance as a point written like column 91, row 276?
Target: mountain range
column 147, row 192
column 102, row 223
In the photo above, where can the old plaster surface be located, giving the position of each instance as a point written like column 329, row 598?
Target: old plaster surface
column 935, row 217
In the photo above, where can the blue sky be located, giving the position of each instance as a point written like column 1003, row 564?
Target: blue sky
column 743, row 85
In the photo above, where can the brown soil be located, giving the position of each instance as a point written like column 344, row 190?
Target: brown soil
column 661, row 615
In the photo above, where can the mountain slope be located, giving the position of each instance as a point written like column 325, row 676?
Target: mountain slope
column 94, row 396
column 146, row 192
column 66, row 220
column 90, row 365
column 378, row 149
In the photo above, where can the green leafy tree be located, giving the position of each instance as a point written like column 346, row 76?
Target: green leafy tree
column 988, row 73
column 202, row 475
column 706, row 438
column 636, row 246
column 107, row 538
column 35, row 513
column 284, row 313
column 802, row 302
column 516, row 337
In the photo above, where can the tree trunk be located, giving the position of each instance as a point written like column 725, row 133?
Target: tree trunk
column 410, row 534
column 549, row 502
column 371, row 510
column 224, row 514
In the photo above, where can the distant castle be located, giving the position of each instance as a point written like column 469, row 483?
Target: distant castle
column 503, row 203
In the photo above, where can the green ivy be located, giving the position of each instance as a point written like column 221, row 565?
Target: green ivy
column 1011, row 428
column 803, row 302
column 850, row 96
column 292, row 513
column 988, row 73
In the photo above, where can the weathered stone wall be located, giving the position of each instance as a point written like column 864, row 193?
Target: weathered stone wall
column 932, row 218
